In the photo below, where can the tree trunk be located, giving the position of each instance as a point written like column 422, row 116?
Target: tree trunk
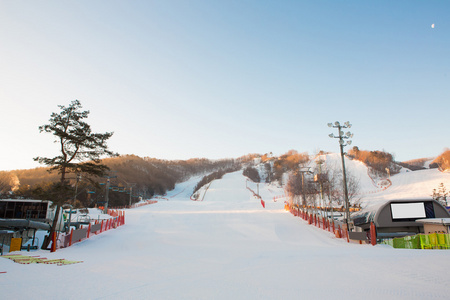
column 52, row 229
column 55, row 219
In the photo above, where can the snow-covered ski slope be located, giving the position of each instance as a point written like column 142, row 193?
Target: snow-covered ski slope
column 405, row 185
column 226, row 247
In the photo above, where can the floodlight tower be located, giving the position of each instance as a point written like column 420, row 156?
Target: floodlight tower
column 342, row 143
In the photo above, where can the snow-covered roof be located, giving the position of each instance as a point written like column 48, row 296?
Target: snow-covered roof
column 443, row 221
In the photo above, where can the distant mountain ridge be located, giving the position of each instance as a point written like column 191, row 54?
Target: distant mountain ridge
column 441, row 162
column 146, row 177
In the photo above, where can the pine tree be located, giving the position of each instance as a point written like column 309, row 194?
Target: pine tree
column 80, row 152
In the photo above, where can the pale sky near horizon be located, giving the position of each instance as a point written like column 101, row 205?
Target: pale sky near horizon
column 219, row 79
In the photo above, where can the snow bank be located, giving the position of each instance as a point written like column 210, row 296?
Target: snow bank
column 226, row 247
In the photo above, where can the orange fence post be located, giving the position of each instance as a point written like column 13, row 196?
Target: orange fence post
column 337, row 233
column 346, row 233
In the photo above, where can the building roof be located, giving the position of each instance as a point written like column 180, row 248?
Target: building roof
column 440, row 221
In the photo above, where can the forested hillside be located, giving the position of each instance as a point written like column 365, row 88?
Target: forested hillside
column 442, row 161
column 144, row 177
column 379, row 162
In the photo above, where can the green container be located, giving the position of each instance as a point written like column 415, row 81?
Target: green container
column 412, row 242
column 399, row 243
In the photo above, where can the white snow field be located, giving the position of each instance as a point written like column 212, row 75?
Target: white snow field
column 405, row 185
column 226, row 247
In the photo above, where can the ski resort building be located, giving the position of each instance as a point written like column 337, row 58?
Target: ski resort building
column 20, row 219
column 36, row 210
column 397, row 218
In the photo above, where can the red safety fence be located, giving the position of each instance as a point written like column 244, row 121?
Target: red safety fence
column 338, row 229
column 64, row 240
column 275, row 198
column 147, row 202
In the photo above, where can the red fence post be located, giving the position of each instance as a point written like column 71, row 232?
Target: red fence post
column 53, row 248
column 346, row 232
column 70, row 239
column 88, row 231
column 373, row 234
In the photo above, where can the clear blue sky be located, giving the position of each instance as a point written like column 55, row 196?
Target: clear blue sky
column 217, row 79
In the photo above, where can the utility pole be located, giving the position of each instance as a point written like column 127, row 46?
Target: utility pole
column 302, row 171
column 105, row 210
column 130, row 185
column 131, row 193
column 108, row 182
column 342, row 144
column 319, row 179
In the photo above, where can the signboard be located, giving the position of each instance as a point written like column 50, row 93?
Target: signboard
column 414, row 210
column 16, row 244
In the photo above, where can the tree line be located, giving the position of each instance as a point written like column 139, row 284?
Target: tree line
column 380, row 162
column 143, row 176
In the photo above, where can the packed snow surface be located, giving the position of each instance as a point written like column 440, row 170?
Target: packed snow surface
column 226, row 247
column 405, row 185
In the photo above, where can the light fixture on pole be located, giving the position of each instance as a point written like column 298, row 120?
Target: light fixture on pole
column 342, row 143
